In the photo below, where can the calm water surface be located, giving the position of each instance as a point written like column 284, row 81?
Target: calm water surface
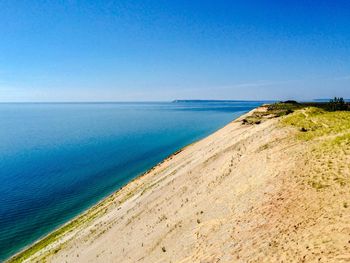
column 56, row 160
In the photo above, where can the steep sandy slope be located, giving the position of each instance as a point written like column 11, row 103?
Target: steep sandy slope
column 247, row 193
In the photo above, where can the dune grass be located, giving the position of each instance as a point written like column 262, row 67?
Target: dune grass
column 329, row 156
column 316, row 123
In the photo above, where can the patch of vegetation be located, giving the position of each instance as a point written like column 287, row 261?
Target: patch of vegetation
column 263, row 147
column 283, row 107
column 272, row 111
column 290, row 106
column 330, row 131
column 336, row 104
column 254, row 119
column 318, row 185
column 316, row 122
column 312, row 119
column 43, row 243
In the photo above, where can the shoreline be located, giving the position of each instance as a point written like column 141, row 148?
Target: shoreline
column 80, row 216
column 269, row 186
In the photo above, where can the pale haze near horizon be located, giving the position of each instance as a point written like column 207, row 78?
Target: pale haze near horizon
column 161, row 51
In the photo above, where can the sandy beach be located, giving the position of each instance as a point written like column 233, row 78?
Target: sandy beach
column 247, row 193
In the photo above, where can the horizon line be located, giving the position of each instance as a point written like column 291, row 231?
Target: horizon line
column 135, row 101
column 156, row 101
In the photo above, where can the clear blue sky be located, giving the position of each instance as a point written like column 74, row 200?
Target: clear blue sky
column 164, row 50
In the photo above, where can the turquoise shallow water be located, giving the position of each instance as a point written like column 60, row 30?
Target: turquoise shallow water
column 56, row 160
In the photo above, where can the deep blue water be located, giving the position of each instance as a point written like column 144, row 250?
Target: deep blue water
column 56, row 160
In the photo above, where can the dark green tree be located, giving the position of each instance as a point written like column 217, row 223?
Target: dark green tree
column 337, row 104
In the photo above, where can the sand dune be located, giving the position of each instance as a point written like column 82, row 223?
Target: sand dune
column 243, row 194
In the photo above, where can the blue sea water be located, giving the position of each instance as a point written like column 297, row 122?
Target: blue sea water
column 56, row 160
